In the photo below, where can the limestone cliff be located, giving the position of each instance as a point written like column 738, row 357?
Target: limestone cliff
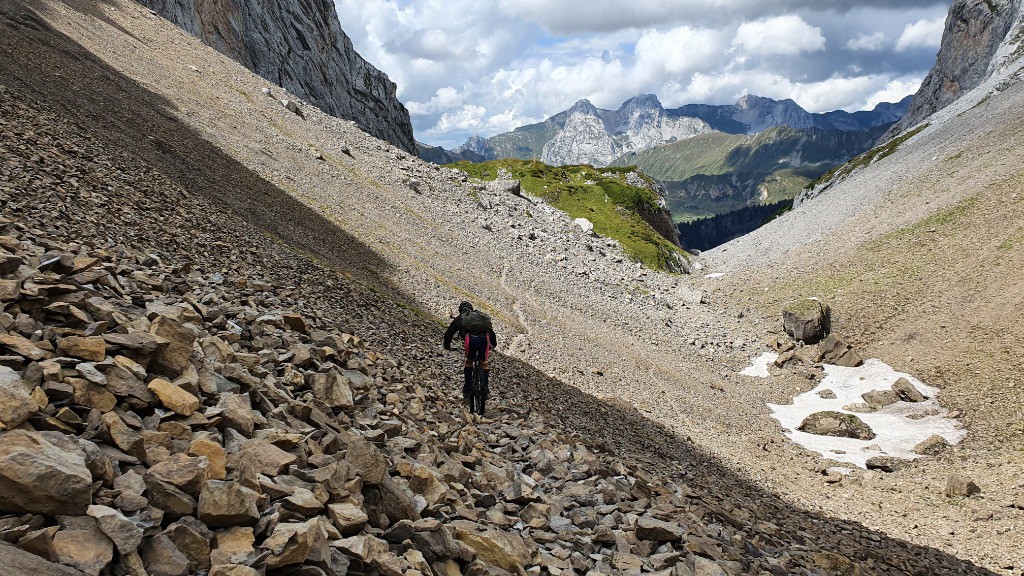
column 975, row 31
column 300, row 46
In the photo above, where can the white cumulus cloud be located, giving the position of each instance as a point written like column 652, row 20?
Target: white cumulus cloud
column 782, row 36
column 921, row 34
column 868, row 42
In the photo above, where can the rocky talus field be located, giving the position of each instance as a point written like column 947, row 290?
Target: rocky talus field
column 220, row 354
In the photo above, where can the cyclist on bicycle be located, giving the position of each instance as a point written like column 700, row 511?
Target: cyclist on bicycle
column 478, row 338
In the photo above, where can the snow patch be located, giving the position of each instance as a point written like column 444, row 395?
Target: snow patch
column 897, row 427
column 759, row 369
column 716, row 275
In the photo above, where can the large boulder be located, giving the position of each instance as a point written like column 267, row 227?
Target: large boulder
column 809, row 320
column 43, row 473
column 19, row 562
column 830, row 423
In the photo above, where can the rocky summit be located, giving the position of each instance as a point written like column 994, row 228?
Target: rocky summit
column 220, row 349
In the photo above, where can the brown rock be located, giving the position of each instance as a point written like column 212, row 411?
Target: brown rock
column 295, row 322
column 193, row 539
column 237, row 413
column 124, row 437
column 232, row 570
column 92, row 395
column 293, row 543
column 122, row 382
column 16, row 402
column 648, row 528
column 506, row 550
column 213, row 452
column 43, row 473
column 169, row 498
column 91, row 348
column 40, row 543
column 271, row 459
column 174, row 397
column 137, row 341
column 332, row 390
column 880, row 398
column 162, row 557
column 228, row 504
column 186, row 472
column 960, row 485
column 9, row 290
column 22, row 346
column 234, row 546
column 87, row 549
column 348, row 518
column 931, row 446
column 173, row 357
column 21, row 563
column 364, row 546
column 365, row 458
column 124, row 533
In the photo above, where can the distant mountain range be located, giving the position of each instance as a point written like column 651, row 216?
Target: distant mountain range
column 585, row 134
column 713, row 159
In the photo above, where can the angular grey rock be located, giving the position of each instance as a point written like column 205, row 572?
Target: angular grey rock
column 43, row 473
column 162, row 557
column 124, row 533
column 880, row 398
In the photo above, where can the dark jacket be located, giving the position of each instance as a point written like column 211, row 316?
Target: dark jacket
column 456, row 327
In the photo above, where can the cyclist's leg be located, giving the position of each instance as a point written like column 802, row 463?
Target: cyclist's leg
column 467, row 371
column 486, row 372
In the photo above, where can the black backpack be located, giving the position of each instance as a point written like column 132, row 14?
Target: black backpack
column 476, row 322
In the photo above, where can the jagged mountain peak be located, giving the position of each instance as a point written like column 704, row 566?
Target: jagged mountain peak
column 583, row 106
column 642, row 101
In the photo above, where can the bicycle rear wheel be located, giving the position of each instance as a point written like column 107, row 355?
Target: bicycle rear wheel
column 478, row 389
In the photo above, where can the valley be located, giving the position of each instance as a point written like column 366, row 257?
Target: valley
column 311, row 269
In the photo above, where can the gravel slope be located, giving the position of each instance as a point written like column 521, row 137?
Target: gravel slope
column 565, row 304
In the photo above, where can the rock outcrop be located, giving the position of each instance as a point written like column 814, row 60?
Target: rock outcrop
column 597, row 137
column 301, row 47
column 975, row 30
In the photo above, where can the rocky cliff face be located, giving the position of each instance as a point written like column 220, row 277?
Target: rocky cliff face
column 597, row 137
column 300, row 46
column 975, row 31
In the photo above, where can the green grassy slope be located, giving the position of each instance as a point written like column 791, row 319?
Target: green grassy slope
column 600, row 195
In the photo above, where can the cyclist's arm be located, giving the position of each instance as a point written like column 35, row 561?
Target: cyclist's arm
column 494, row 338
column 450, row 333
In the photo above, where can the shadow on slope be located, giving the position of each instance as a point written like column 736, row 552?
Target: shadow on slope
column 118, row 113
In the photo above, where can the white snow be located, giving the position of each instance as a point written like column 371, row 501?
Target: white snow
column 716, row 275
column 896, row 433
column 759, row 369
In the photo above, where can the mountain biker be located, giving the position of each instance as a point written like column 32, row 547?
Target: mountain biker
column 478, row 339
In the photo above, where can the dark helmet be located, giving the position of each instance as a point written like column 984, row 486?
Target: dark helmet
column 465, row 307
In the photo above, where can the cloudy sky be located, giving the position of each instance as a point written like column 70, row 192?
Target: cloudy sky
column 466, row 67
